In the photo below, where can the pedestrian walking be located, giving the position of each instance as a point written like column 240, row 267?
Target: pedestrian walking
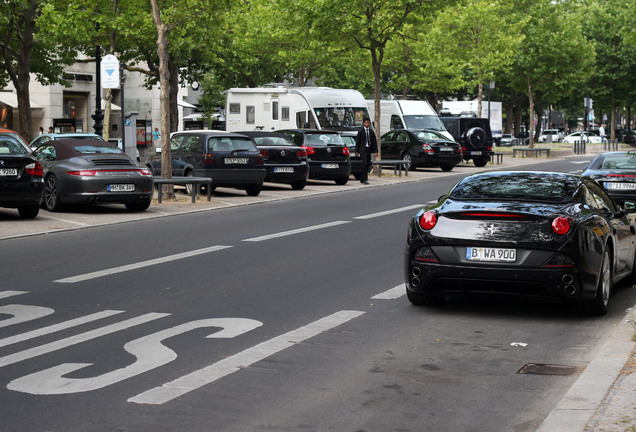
column 601, row 132
column 156, row 136
column 366, row 144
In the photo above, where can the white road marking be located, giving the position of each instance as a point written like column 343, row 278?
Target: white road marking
column 388, row 212
column 5, row 294
column 391, row 294
column 74, row 340
column 141, row 264
column 213, row 372
column 149, row 351
column 581, row 162
column 22, row 313
column 57, row 327
column 296, row 231
column 72, row 222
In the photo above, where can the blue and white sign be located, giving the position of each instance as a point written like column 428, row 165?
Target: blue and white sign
column 110, row 72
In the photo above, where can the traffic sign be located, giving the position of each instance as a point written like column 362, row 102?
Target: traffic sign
column 110, row 72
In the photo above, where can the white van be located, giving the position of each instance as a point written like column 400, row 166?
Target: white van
column 281, row 107
column 407, row 114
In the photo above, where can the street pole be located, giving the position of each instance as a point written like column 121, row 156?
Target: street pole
column 98, row 116
column 123, row 117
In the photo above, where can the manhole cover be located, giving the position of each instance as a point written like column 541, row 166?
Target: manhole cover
column 549, row 369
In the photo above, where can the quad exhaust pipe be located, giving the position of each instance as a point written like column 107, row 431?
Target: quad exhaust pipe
column 569, row 288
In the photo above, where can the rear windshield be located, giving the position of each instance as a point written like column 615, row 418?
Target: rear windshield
column 272, row 141
column 323, row 139
column 230, row 144
column 537, row 187
column 90, row 149
column 616, row 161
column 11, row 146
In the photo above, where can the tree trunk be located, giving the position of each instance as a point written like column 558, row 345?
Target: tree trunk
column 174, row 96
column 376, row 63
column 164, row 97
column 530, row 116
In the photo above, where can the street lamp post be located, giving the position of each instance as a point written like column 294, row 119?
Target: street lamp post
column 98, row 117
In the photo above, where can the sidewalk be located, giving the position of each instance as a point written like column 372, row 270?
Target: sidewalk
column 603, row 399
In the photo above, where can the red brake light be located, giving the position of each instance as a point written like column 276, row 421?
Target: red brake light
column 84, row 173
column 428, row 220
column 345, row 151
column 145, row 172
column 264, row 153
column 34, row 169
column 301, row 154
column 561, row 225
column 309, row 150
column 259, row 160
column 208, row 159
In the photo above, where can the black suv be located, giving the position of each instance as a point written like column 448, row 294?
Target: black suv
column 473, row 135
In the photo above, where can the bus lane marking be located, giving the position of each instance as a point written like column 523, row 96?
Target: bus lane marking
column 229, row 365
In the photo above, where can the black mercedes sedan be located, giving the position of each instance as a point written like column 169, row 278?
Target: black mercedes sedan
column 284, row 161
column 533, row 236
column 327, row 154
column 616, row 172
column 92, row 172
column 421, row 148
column 21, row 181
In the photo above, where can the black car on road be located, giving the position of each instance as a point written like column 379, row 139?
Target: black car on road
column 473, row 135
column 327, row 154
column 421, row 148
column 284, row 161
column 21, row 181
column 616, row 172
column 229, row 159
column 535, row 236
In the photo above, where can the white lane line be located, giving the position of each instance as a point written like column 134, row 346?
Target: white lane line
column 57, row 327
column 74, row 340
column 213, row 372
column 581, row 162
column 391, row 294
column 388, row 212
column 135, row 266
column 5, row 294
column 296, row 231
column 72, row 222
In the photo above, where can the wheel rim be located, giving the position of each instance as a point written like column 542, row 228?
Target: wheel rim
column 407, row 159
column 189, row 186
column 606, row 279
column 50, row 193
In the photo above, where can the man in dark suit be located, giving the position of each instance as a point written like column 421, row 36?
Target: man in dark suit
column 366, row 144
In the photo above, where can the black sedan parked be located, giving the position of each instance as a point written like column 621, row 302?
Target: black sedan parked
column 229, row 159
column 20, row 177
column 285, row 162
column 616, row 172
column 349, row 138
column 421, row 148
column 327, row 154
column 521, row 235
column 92, row 172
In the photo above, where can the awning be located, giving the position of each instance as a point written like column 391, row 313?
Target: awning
column 11, row 99
column 185, row 104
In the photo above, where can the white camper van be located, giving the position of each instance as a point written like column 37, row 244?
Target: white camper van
column 407, row 114
column 274, row 108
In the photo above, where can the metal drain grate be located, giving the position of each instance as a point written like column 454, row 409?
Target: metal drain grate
column 549, row 369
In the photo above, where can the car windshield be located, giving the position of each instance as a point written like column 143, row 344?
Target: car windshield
column 536, row 187
column 91, row 149
column 230, row 144
column 323, row 139
column 272, row 141
column 616, row 161
column 341, row 117
column 423, row 122
column 11, row 146
column 428, row 136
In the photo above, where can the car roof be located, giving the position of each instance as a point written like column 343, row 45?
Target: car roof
column 264, row 134
column 65, row 148
column 310, row 131
column 208, row 132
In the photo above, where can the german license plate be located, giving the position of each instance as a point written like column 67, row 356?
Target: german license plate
column 476, row 153
column 241, row 161
column 620, row 186
column 491, row 254
column 121, row 188
column 329, row 165
column 8, row 171
column 445, row 149
column 284, row 169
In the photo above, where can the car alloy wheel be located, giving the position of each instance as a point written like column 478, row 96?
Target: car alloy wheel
column 52, row 200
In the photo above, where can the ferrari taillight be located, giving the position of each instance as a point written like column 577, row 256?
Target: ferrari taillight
column 561, row 225
column 428, row 220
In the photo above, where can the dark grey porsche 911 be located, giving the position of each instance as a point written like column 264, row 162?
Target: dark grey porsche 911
column 523, row 236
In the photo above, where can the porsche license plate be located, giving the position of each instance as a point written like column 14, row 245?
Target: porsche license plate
column 620, row 186
column 8, row 171
column 329, row 165
column 240, row 161
column 121, row 188
column 283, row 169
column 491, row 254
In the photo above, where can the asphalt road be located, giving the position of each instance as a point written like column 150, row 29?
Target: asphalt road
column 281, row 316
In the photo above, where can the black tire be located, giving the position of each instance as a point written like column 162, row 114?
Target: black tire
column 599, row 306
column 253, row 190
column 341, row 180
column 299, row 185
column 189, row 187
column 408, row 162
column 137, row 206
column 29, row 212
column 480, row 162
column 419, row 299
column 446, row 167
column 51, row 195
